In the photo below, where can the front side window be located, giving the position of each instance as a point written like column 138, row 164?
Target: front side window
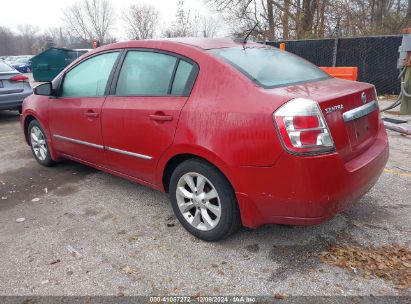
column 145, row 74
column 89, row 78
column 270, row 67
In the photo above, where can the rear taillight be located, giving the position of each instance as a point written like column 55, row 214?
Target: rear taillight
column 302, row 127
column 19, row 78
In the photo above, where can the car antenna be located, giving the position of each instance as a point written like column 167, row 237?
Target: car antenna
column 248, row 34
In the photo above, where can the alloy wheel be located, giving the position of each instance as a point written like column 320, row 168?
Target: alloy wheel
column 198, row 201
column 38, row 143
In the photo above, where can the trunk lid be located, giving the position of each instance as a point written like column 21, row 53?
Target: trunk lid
column 8, row 86
column 356, row 131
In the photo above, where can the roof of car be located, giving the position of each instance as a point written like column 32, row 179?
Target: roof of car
column 202, row 43
column 207, row 43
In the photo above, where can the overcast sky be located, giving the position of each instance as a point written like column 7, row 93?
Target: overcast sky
column 47, row 13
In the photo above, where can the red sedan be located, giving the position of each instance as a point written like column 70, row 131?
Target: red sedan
column 237, row 134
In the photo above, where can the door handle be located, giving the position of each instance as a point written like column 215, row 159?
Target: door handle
column 91, row 114
column 159, row 117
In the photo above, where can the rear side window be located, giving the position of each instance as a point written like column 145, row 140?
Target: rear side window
column 5, row 67
column 89, row 78
column 270, row 67
column 145, row 74
column 181, row 78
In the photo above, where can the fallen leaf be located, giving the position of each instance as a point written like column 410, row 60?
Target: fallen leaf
column 128, row 270
column 387, row 262
column 280, row 295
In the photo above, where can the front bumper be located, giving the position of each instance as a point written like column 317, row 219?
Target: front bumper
column 308, row 190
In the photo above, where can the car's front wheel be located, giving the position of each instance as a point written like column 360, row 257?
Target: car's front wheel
column 38, row 143
column 204, row 201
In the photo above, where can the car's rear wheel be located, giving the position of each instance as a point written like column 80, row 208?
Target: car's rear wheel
column 204, row 201
column 38, row 143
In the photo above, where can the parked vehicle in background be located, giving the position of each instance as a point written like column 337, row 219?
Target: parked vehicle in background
column 10, row 59
column 22, row 64
column 237, row 134
column 14, row 87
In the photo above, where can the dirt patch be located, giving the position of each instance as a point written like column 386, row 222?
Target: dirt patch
column 374, row 211
column 31, row 182
column 392, row 263
column 294, row 259
column 303, row 258
column 89, row 212
column 66, row 190
column 254, row 248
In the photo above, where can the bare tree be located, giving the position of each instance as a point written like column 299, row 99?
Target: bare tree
column 371, row 17
column 182, row 26
column 209, row 26
column 242, row 15
column 408, row 19
column 141, row 21
column 7, row 42
column 58, row 36
column 314, row 18
column 90, row 19
column 28, row 35
column 192, row 24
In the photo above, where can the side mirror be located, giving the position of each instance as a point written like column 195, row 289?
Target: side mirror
column 44, row 89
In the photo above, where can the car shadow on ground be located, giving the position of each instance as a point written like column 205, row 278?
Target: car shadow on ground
column 8, row 116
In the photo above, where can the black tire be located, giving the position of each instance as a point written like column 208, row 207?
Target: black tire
column 20, row 110
column 47, row 161
column 229, row 221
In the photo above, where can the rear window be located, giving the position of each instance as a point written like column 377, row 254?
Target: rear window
column 270, row 67
column 5, row 68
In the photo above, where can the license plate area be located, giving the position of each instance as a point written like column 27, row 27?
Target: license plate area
column 361, row 130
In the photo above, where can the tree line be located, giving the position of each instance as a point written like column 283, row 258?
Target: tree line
column 96, row 19
column 275, row 19
column 305, row 19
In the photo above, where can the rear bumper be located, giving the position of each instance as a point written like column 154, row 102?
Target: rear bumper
column 13, row 101
column 308, row 190
column 10, row 105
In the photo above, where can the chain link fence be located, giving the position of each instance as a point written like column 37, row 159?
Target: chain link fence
column 376, row 57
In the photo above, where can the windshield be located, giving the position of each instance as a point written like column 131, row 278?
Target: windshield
column 270, row 67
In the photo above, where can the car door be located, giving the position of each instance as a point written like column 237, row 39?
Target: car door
column 140, row 116
column 75, row 115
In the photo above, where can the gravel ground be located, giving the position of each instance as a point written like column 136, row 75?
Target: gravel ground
column 90, row 233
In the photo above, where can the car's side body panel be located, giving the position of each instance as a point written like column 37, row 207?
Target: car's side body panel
column 135, row 137
column 75, row 133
